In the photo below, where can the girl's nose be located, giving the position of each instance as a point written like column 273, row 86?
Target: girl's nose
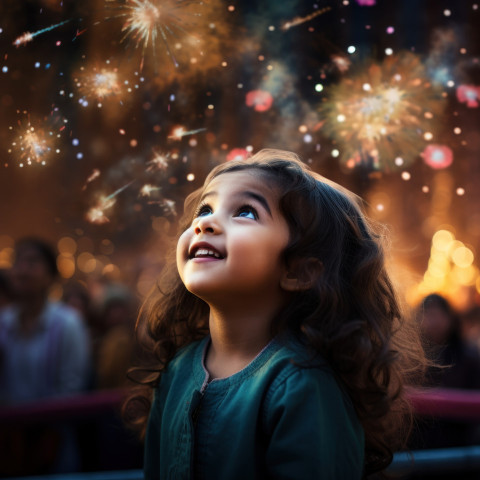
column 206, row 224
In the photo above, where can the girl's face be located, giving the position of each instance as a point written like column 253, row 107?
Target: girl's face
column 233, row 248
column 30, row 273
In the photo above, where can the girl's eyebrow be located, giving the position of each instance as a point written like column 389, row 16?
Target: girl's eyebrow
column 260, row 199
column 255, row 196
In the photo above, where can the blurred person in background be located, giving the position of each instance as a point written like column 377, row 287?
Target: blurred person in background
column 114, row 353
column 442, row 333
column 44, row 344
column 115, row 347
column 470, row 321
column 456, row 365
column 44, row 352
column 77, row 295
column 6, row 294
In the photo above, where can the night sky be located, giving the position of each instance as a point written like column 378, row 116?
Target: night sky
column 113, row 111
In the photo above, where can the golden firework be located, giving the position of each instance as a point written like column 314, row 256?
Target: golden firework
column 99, row 83
column 187, row 31
column 34, row 144
column 384, row 115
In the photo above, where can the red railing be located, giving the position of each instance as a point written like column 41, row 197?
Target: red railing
column 75, row 407
column 452, row 404
column 458, row 404
column 446, row 403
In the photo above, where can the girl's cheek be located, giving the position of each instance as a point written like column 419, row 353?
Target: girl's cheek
column 183, row 243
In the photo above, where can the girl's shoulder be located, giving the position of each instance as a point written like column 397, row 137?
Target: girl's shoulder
column 185, row 361
column 189, row 352
column 293, row 359
column 304, row 386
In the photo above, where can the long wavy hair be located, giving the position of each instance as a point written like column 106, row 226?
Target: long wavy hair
column 350, row 315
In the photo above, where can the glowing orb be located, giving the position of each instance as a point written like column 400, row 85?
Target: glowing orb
column 379, row 113
column 260, row 100
column 238, row 154
column 469, row 94
column 437, row 156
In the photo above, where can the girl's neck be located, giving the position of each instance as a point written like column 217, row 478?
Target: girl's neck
column 236, row 339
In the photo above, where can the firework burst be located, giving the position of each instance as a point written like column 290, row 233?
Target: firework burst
column 34, row 145
column 383, row 116
column 161, row 24
column 99, row 83
column 180, row 37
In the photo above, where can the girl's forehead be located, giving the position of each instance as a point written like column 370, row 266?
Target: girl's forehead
column 240, row 179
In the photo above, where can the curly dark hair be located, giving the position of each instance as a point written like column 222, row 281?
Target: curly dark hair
column 350, row 315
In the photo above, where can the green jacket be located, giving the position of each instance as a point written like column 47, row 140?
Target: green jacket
column 272, row 420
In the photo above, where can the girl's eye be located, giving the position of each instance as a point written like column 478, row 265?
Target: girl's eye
column 247, row 212
column 203, row 211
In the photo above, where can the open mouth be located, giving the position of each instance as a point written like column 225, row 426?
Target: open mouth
column 202, row 252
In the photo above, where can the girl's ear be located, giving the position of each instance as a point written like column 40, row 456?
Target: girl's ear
column 301, row 275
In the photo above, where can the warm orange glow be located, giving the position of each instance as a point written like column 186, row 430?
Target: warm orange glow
column 67, row 246
column 66, row 266
column 450, row 270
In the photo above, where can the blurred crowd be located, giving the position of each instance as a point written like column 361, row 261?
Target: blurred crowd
column 85, row 342
column 452, row 343
column 52, row 349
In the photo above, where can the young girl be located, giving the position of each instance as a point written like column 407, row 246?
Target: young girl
column 277, row 334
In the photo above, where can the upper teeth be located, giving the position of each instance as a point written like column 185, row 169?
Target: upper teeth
column 204, row 251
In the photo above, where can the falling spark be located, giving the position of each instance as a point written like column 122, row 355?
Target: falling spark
column 29, row 36
column 97, row 214
column 120, row 190
column 299, row 20
column 180, row 132
column 95, row 174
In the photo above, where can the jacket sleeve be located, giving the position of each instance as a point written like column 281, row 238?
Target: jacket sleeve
column 312, row 430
